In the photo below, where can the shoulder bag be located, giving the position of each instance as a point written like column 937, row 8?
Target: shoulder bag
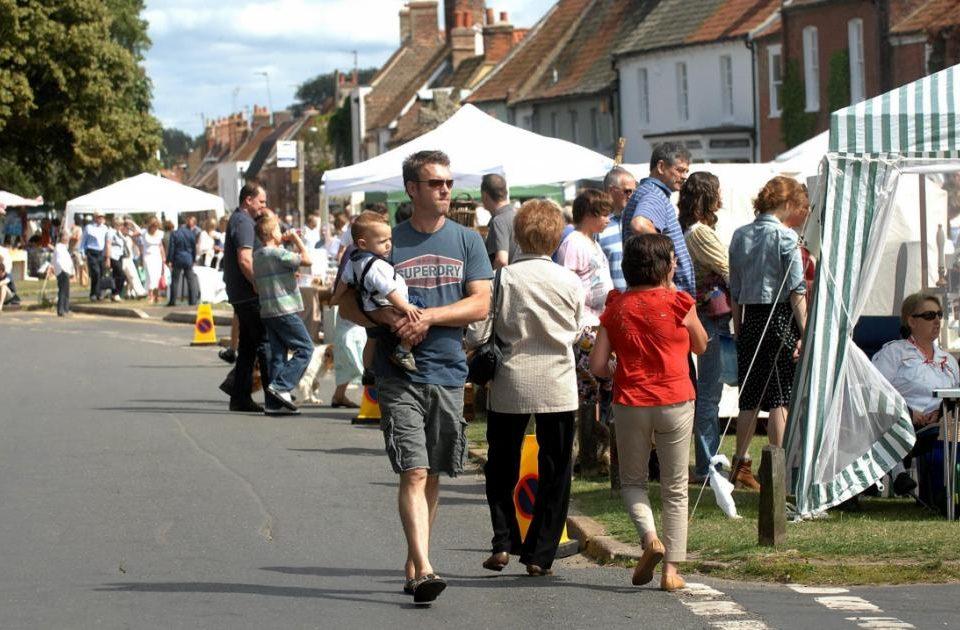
column 486, row 359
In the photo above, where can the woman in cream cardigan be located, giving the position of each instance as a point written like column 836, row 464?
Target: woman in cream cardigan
column 538, row 318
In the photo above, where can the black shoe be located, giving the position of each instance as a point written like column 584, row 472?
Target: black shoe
column 904, row 485
column 427, row 588
column 281, row 411
column 228, row 355
column 246, row 407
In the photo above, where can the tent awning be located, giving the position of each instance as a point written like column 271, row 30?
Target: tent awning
column 8, row 200
column 477, row 144
column 145, row 194
column 847, row 424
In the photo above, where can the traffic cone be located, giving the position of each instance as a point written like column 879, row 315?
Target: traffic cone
column 524, row 496
column 369, row 407
column 204, row 332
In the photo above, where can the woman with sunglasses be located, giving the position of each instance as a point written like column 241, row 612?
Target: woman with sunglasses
column 916, row 365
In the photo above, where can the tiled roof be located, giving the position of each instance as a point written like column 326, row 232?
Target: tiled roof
column 464, row 77
column 399, row 79
column 584, row 64
column 669, row 24
column 773, row 28
column 930, row 16
column 734, row 18
column 527, row 59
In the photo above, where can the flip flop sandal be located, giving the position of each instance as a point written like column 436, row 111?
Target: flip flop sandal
column 426, row 588
column 408, row 586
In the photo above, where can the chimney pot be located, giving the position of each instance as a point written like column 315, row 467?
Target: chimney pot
column 504, row 17
column 458, row 19
column 490, row 16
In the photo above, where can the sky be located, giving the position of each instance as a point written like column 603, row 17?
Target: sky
column 209, row 58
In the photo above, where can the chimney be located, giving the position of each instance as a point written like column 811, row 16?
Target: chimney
column 504, row 18
column 472, row 10
column 465, row 40
column 490, row 17
column 404, row 24
column 261, row 117
column 424, row 28
column 498, row 38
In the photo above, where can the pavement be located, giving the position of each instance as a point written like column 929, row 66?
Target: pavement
column 133, row 499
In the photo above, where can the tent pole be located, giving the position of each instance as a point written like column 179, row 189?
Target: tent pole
column 924, row 263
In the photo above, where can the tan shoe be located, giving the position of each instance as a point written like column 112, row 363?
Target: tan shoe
column 741, row 475
column 671, row 583
column 651, row 557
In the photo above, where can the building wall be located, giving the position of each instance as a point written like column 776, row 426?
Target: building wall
column 768, row 123
column 584, row 109
column 703, row 87
column 909, row 58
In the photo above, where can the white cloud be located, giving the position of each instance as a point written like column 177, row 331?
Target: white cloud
column 203, row 52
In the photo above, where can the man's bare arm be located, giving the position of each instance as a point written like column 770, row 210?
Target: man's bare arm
column 501, row 259
column 642, row 225
column 245, row 262
column 474, row 307
column 345, row 298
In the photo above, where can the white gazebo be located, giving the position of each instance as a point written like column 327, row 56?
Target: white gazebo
column 145, row 194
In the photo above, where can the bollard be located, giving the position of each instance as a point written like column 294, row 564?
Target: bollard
column 772, row 521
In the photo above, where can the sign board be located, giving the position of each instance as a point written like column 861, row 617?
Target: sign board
column 286, row 154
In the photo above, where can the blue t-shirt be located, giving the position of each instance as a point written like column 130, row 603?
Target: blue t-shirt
column 436, row 268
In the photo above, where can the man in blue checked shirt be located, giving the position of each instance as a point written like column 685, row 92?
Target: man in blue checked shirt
column 619, row 184
column 650, row 210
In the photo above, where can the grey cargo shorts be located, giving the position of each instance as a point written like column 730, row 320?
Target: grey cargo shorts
column 423, row 426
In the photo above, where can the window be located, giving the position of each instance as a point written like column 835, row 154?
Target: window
column 644, row 93
column 726, row 85
column 858, row 89
column 594, row 128
column 683, row 97
column 811, row 68
column 555, row 124
column 775, row 73
column 574, row 126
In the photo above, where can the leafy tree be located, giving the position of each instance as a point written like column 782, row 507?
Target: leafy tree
column 340, row 134
column 177, row 145
column 796, row 124
column 74, row 103
column 838, row 84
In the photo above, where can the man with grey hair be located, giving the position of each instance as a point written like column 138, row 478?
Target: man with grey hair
column 619, row 184
column 501, row 245
column 650, row 210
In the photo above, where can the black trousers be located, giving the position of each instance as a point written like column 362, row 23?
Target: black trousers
column 505, row 439
column 180, row 276
column 95, row 271
column 63, row 293
column 251, row 346
column 119, row 280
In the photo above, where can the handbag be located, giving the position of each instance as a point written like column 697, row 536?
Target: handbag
column 106, row 284
column 715, row 298
column 486, row 359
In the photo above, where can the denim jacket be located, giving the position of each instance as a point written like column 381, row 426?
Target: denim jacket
column 761, row 254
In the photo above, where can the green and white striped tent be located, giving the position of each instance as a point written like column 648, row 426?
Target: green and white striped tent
column 848, row 426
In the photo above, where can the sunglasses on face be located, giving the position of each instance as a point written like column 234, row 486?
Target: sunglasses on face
column 437, row 184
column 929, row 315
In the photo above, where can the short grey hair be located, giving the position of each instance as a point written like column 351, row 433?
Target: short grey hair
column 613, row 177
column 669, row 152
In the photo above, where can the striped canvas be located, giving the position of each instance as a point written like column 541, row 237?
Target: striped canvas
column 869, row 143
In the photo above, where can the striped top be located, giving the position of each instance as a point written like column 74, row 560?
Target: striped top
column 611, row 242
column 274, row 273
column 651, row 200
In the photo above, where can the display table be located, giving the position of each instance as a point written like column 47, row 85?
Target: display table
column 949, row 426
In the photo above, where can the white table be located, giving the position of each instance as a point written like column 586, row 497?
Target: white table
column 949, row 430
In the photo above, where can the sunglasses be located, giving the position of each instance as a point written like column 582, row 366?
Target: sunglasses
column 437, row 184
column 929, row 315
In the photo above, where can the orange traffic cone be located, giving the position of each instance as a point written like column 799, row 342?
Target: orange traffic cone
column 525, row 494
column 369, row 407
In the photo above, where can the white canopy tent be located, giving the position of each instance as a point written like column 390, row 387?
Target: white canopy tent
column 9, row 200
column 804, row 159
column 145, row 194
column 477, row 144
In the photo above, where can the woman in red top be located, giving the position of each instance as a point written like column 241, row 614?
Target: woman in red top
column 651, row 329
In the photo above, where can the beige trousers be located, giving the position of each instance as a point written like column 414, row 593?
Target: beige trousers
column 669, row 427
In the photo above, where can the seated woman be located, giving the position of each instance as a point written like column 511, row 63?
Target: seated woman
column 916, row 365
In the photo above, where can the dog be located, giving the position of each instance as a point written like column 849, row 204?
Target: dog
column 307, row 391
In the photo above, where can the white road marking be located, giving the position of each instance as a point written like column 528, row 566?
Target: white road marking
column 848, row 604
column 817, row 590
column 880, row 623
column 740, row 624
column 706, row 601
column 715, row 608
column 700, row 590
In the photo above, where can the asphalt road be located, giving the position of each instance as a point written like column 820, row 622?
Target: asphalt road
column 131, row 498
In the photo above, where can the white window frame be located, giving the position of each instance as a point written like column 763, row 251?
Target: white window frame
column 858, row 87
column 643, row 90
column 775, row 79
column 811, row 68
column 683, row 92
column 726, row 86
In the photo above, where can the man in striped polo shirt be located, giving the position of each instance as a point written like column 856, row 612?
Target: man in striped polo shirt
column 619, row 184
column 650, row 210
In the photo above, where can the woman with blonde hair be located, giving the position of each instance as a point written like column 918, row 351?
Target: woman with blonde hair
column 536, row 314
column 768, row 298
column 152, row 256
column 208, row 253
